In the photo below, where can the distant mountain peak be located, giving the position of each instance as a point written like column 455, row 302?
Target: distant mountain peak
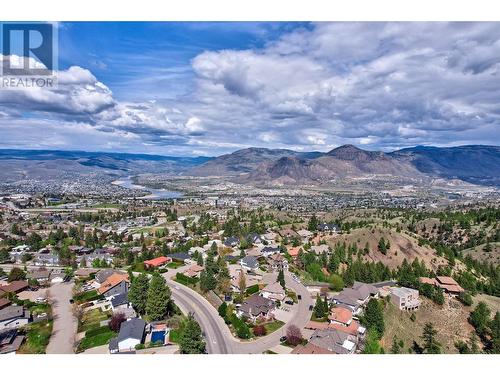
column 351, row 152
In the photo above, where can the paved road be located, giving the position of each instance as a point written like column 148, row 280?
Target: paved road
column 65, row 325
column 218, row 336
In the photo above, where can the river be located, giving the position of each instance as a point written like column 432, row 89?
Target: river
column 155, row 193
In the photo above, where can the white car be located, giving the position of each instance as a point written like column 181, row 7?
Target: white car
column 40, row 300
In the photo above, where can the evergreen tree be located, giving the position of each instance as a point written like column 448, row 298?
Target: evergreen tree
column 395, row 348
column 158, row 298
column 138, row 293
column 373, row 318
column 319, row 308
column 431, row 345
column 281, row 278
column 191, row 340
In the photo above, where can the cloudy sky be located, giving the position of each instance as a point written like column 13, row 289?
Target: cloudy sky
column 212, row 88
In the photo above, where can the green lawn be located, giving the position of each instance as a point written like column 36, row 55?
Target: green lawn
column 174, row 335
column 273, row 326
column 174, row 265
column 91, row 319
column 98, row 339
column 40, row 308
column 37, row 337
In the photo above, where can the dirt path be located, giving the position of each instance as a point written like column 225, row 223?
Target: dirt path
column 65, row 325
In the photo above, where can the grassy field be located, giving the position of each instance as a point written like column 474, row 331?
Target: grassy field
column 450, row 320
column 37, row 338
column 492, row 302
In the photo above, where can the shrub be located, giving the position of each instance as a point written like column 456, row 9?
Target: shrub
column 222, row 309
column 241, row 328
column 116, row 321
column 465, row 298
column 259, row 330
column 293, row 335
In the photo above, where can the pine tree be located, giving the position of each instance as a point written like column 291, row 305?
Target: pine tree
column 158, row 298
column 138, row 293
column 431, row 345
column 373, row 318
column 395, row 348
column 281, row 278
column 319, row 308
column 191, row 340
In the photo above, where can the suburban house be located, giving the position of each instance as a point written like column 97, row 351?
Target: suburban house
column 232, row 241
column 341, row 318
column 294, row 251
column 356, row 297
column 405, row 298
column 13, row 317
column 310, row 348
column 278, row 262
column 334, row 340
column 256, row 307
column 267, row 251
column 42, row 276
column 249, row 263
column 449, row 285
column 327, row 227
column 14, row 287
column 288, row 233
column 4, row 302
column 254, row 239
column 102, row 275
column 157, row 262
column 180, row 257
column 119, row 301
column 10, row 341
column 320, row 249
column 274, row 292
column 194, row 271
column 131, row 334
column 446, row 283
column 114, row 285
column 46, row 259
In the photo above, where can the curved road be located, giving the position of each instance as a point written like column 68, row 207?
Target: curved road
column 219, row 338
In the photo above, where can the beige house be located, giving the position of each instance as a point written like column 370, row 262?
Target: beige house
column 405, row 298
column 274, row 292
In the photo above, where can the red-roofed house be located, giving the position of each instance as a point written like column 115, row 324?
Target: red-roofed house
column 157, row 262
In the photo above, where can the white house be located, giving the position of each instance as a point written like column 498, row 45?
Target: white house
column 131, row 334
column 13, row 317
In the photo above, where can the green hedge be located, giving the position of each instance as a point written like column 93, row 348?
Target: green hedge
column 91, row 295
column 185, row 280
column 252, row 289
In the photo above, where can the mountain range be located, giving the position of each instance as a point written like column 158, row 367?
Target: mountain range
column 476, row 164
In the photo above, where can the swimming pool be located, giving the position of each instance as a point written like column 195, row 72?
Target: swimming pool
column 158, row 336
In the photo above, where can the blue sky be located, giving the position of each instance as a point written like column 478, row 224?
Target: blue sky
column 211, row 88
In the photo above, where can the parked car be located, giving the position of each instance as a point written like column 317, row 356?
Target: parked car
column 311, row 307
column 289, row 302
column 283, row 338
column 299, row 297
column 71, row 301
column 40, row 300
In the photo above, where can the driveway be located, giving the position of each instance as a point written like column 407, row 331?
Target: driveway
column 63, row 334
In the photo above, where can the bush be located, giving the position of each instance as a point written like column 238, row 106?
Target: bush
column 116, row 321
column 293, row 335
column 140, row 346
column 241, row 328
column 222, row 309
column 259, row 330
column 465, row 298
